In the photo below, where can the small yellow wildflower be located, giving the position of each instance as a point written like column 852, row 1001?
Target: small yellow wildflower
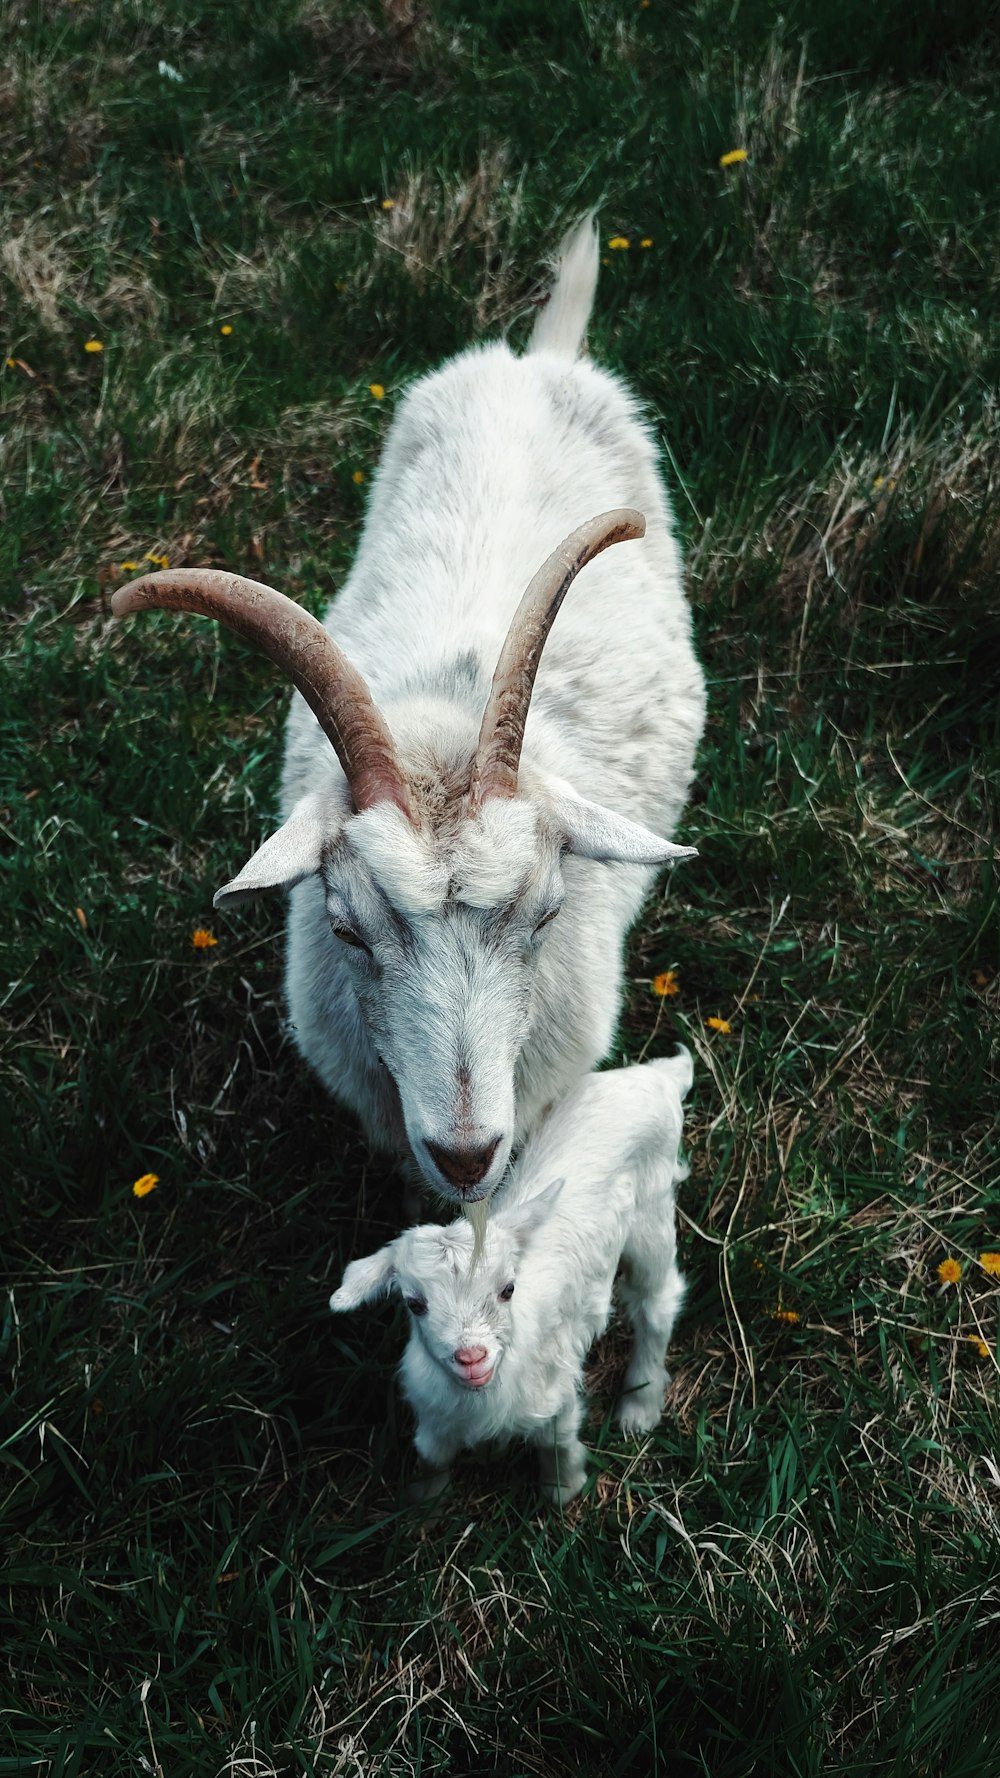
column 147, row 1183
column 881, row 482
column 979, row 976
column 789, row 1317
column 980, row 1345
column 733, row 158
column 388, row 203
column 93, row 345
column 719, row 1025
column 990, row 1262
column 358, row 477
column 226, row 328
column 647, row 241
column 202, row 939
column 665, row 984
column 949, row 1271
column 11, row 364
column 618, row 243
column 128, row 567
column 158, row 561
column 376, row 390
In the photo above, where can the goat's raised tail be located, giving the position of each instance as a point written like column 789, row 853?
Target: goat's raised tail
column 562, row 324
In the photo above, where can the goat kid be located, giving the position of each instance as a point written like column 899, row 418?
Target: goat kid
column 430, row 847
column 497, row 1348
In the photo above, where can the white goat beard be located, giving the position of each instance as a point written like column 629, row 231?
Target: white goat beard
column 478, row 1214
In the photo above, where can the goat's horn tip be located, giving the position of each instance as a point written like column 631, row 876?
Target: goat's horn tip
column 133, row 595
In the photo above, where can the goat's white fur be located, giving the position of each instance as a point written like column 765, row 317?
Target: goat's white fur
column 464, row 1024
column 593, row 1187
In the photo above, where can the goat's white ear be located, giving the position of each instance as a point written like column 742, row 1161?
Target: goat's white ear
column 287, row 857
column 527, row 1217
column 365, row 1279
column 589, row 831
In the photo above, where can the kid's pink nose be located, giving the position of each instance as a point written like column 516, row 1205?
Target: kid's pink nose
column 470, row 1355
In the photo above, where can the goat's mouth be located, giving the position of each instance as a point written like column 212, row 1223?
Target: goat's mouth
column 465, row 1173
column 475, row 1376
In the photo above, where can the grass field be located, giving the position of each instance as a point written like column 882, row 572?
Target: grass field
column 259, row 211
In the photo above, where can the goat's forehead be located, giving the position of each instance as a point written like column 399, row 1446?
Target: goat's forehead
column 482, row 862
column 431, row 1254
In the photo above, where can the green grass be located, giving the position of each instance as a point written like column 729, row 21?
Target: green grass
column 207, row 1566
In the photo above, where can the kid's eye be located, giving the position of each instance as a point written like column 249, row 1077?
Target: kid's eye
column 417, row 1306
column 546, row 919
column 506, row 1293
column 348, row 936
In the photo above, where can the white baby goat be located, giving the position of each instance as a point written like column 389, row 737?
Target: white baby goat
column 429, row 982
column 497, row 1349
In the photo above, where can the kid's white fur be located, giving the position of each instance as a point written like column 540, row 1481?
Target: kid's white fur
column 594, row 1188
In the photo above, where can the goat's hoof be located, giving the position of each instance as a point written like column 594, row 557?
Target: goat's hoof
column 561, row 1493
column 429, row 1486
column 634, row 1417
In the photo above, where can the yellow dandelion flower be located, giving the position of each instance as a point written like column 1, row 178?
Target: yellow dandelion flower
column 358, row 477
column 128, row 567
column 788, row 1317
column 388, row 203
column 647, row 241
column 11, row 364
column 147, row 1183
column 665, row 984
column 226, row 328
column 980, row 1345
column 202, row 939
column 722, row 1025
column 733, row 158
column 618, row 243
column 990, row 1262
column 158, row 561
column 376, row 390
column 949, row 1271
column 93, row 345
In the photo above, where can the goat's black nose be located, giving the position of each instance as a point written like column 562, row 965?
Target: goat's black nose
column 463, row 1166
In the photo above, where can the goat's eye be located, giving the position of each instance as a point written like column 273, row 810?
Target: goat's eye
column 348, row 936
column 506, row 1293
column 416, row 1305
column 546, row 920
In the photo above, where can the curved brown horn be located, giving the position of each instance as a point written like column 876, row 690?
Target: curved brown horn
column 294, row 640
column 494, row 772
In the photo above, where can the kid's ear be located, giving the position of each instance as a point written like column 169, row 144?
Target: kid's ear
column 366, row 1279
column 524, row 1219
column 290, row 855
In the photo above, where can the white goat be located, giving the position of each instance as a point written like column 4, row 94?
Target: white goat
column 497, row 1349
column 427, row 857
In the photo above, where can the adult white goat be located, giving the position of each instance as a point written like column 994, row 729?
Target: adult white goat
column 428, row 851
column 497, row 1348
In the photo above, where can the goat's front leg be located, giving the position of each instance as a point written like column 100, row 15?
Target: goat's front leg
column 435, row 1455
column 562, row 1459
